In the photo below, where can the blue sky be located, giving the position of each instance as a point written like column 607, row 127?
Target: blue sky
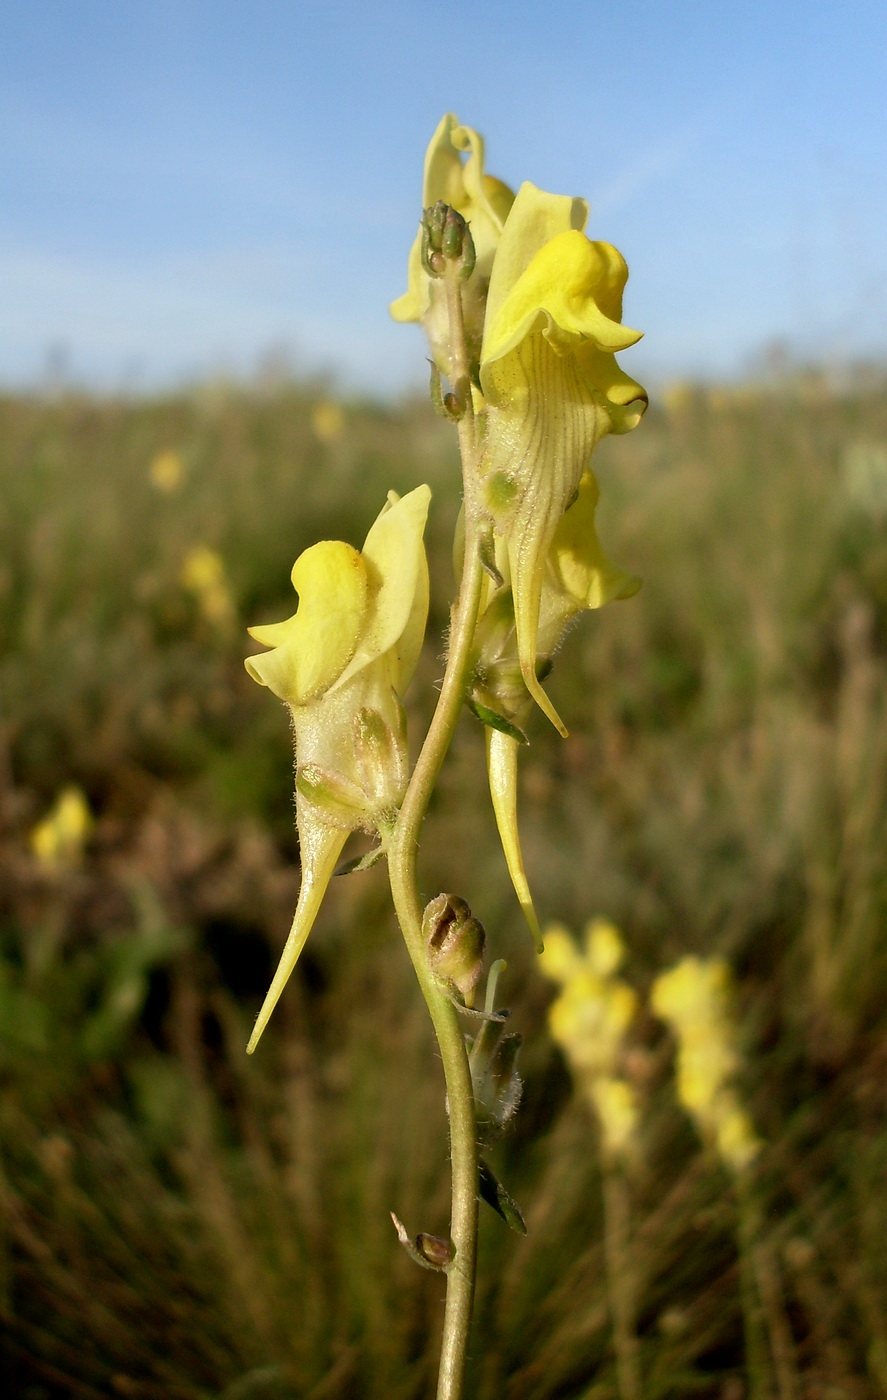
column 189, row 185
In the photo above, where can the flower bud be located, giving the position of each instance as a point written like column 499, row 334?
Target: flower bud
column 437, row 1251
column 446, row 239
column 455, row 942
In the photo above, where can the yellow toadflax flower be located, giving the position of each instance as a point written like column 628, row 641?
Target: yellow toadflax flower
column 341, row 663
column 552, row 388
column 542, row 310
column 203, row 575
column 58, row 840
column 694, row 998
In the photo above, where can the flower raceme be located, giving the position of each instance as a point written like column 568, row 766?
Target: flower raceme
column 341, row 663
column 543, row 314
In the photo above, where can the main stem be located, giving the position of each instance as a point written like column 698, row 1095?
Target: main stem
column 402, row 856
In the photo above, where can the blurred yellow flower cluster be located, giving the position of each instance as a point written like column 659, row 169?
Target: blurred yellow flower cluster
column 58, row 840
column 589, row 1021
column 694, row 998
column 203, row 575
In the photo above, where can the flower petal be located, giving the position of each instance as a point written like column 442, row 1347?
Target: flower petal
column 481, row 199
column 535, row 218
column 313, row 647
column 394, row 558
column 585, row 577
column 562, row 293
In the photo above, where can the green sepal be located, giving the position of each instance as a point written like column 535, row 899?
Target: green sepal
column 494, row 1193
column 493, row 720
column 364, row 862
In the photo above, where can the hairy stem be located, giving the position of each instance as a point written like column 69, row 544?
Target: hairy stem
column 402, row 856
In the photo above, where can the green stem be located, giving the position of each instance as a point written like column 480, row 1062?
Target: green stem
column 402, row 857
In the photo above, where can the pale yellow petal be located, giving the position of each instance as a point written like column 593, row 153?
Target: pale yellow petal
column 561, row 294
column 394, row 558
column 534, row 219
column 312, row 648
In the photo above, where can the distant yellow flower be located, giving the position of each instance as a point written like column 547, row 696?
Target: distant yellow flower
column 58, row 840
column 167, row 471
column 589, row 1021
column 694, row 998
column 203, row 574
column 327, row 421
column 616, row 1105
column 340, row 663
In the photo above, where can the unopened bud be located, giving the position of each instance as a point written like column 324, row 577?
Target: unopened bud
column 430, row 1251
column 455, row 942
column 446, row 239
column 438, row 1252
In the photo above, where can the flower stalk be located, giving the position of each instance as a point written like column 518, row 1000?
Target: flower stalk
column 402, row 866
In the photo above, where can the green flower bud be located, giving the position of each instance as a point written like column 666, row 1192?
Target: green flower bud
column 437, row 1251
column 446, row 239
column 455, row 942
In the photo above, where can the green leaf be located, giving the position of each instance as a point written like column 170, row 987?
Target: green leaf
column 493, row 720
column 494, row 1193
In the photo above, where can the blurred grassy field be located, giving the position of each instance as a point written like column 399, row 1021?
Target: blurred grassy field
column 179, row 1221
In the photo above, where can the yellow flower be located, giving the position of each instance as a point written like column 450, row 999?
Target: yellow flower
column 595, row 1008
column 203, row 574
column 589, row 1021
column 327, row 421
column 59, row 839
column 167, row 471
column 578, row 576
column 552, row 389
column 340, row 663
column 694, row 998
column 484, row 202
column 693, row 993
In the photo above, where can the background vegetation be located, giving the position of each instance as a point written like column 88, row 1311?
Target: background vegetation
column 177, row 1221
